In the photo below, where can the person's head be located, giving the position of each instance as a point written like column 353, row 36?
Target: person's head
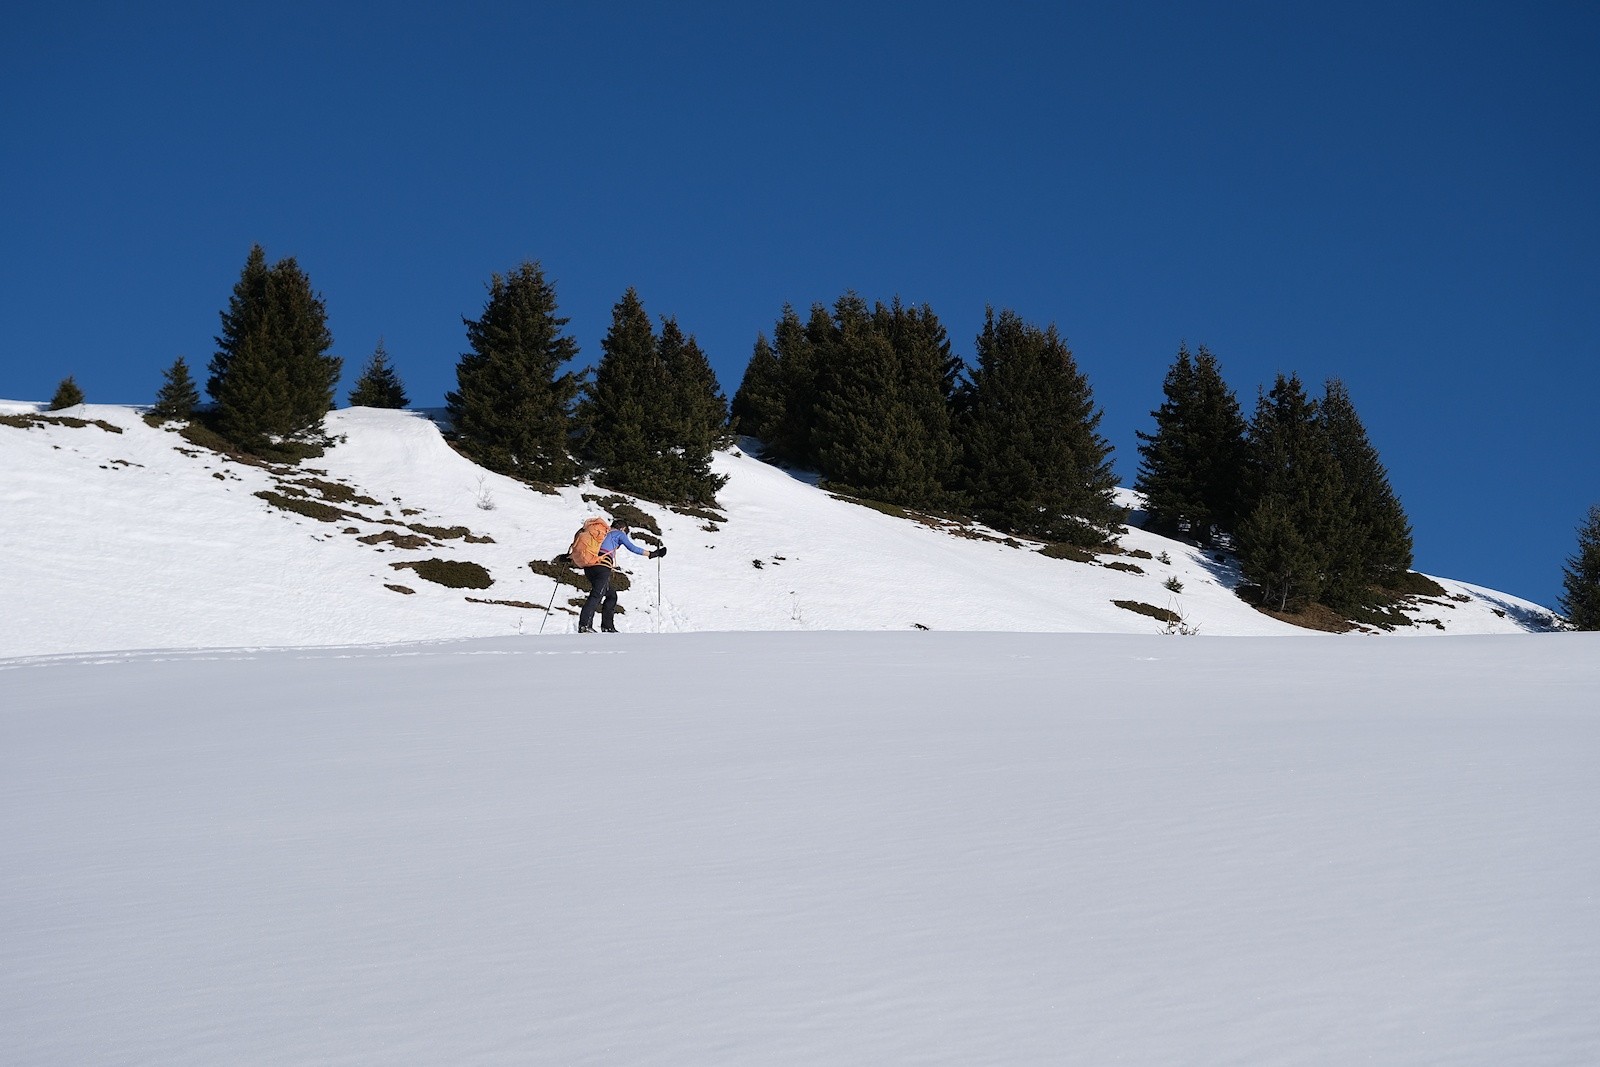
column 623, row 526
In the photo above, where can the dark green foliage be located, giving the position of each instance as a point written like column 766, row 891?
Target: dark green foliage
column 1379, row 534
column 179, row 395
column 882, row 425
column 1191, row 468
column 1324, row 525
column 758, row 404
column 378, row 386
column 654, row 415
column 1580, row 598
column 511, row 411
column 1033, row 462
column 453, row 574
column 860, row 395
column 68, row 395
column 271, row 375
column 1290, row 537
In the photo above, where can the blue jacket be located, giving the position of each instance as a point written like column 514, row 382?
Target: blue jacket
column 608, row 547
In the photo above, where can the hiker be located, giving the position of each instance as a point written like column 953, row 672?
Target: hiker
column 598, row 562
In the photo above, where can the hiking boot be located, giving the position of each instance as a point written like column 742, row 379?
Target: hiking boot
column 586, row 629
column 608, row 629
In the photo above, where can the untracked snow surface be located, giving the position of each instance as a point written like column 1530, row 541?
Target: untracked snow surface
column 805, row 848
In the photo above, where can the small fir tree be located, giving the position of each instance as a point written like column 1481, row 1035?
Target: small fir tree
column 68, row 395
column 378, row 386
column 512, row 409
column 1580, row 599
column 179, row 395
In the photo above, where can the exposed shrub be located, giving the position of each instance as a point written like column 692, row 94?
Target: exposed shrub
column 450, row 533
column 1061, row 550
column 450, row 573
column 1173, row 584
column 311, row 509
column 1118, row 565
column 1140, row 608
column 1413, row 584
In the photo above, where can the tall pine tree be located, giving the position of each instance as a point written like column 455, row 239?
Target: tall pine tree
column 379, row 386
column 67, row 395
column 1191, row 469
column 654, row 413
column 1580, row 596
column 1292, row 536
column 271, row 375
column 1377, row 534
column 758, row 403
column 511, row 410
column 1033, row 460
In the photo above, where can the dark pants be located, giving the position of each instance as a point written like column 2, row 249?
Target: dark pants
column 601, row 596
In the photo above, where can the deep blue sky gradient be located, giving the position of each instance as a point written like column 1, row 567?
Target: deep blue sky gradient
column 1401, row 195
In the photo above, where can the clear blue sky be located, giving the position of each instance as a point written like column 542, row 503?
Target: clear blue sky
column 1405, row 196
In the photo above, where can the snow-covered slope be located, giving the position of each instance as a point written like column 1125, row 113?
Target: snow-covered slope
column 121, row 536
column 825, row 848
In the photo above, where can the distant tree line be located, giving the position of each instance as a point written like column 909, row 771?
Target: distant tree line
column 872, row 399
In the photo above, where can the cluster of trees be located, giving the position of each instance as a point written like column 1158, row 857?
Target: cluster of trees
column 873, row 400
column 1299, row 488
column 647, row 422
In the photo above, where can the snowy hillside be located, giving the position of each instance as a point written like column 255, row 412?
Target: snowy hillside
column 120, row 536
column 437, row 839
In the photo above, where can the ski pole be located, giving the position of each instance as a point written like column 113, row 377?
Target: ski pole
column 549, row 605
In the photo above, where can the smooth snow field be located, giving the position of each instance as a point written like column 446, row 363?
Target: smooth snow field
column 805, row 848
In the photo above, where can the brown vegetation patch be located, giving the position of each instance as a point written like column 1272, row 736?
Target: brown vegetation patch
column 1060, row 550
column 28, row 421
column 450, row 573
column 1118, row 565
column 398, row 540
column 448, row 533
column 1141, row 608
column 335, row 492
column 407, row 590
column 523, row 604
column 311, row 509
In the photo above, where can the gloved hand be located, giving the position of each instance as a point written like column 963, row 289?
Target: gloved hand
column 658, row 553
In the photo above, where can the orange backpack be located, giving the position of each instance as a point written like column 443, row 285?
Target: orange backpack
column 585, row 551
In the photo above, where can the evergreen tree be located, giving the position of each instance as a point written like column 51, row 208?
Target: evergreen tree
column 1580, row 599
column 511, row 411
column 179, row 395
column 758, row 403
column 1191, row 469
column 379, row 386
column 1033, row 461
column 696, row 418
column 68, row 395
column 271, row 375
column 1378, row 535
column 1293, row 536
column 654, row 413
column 621, row 415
